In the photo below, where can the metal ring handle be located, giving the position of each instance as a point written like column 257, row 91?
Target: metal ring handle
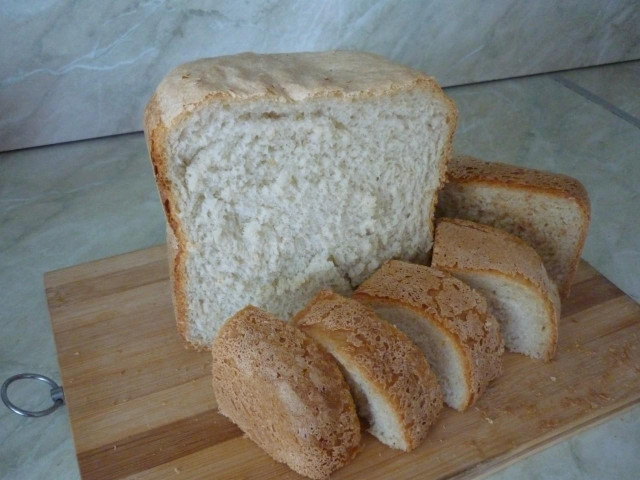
column 57, row 395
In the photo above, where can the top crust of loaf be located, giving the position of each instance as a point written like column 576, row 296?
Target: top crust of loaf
column 466, row 169
column 290, row 77
column 285, row 392
column 456, row 249
column 285, row 77
column 390, row 361
column 458, row 308
column 458, row 241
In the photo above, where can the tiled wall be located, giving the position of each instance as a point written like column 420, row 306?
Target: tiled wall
column 71, row 70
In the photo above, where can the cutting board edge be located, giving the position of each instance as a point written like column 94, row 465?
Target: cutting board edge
column 54, row 278
column 500, row 462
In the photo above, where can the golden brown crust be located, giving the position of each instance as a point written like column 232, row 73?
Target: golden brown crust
column 449, row 303
column 285, row 392
column 287, row 77
column 573, row 267
column 462, row 246
column 464, row 169
column 156, row 136
column 396, row 369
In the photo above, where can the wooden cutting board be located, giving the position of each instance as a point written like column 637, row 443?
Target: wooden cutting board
column 141, row 406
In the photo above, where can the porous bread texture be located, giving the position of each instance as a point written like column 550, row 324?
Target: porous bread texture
column 548, row 211
column 285, row 392
column 392, row 384
column 446, row 318
column 510, row 274
column 284, row 174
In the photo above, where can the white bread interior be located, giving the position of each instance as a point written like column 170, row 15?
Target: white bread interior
column 284, row 174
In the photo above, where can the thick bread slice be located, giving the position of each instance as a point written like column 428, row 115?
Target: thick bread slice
column 510, row 274
column 284, row 174
column 392, row 384
column 285, row 392
column 447, row 319
column 548, row 211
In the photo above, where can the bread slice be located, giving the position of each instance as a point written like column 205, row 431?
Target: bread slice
column 392, row 384
column 284, row 174
column 548, row 211
column 510, row 274
column 446, row 318
column 285, row 392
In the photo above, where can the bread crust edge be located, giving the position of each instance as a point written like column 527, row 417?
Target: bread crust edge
column 535, row 182
column 471, row 377
column 156, row 135
column 412, row 442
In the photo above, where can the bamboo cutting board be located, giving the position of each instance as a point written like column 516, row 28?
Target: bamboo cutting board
column 141, row 406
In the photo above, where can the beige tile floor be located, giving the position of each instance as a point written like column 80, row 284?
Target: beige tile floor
column 72, row 203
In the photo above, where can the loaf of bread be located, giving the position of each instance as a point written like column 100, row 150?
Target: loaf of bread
column 548, row 211
column 446, row 318
column 285, row 392
column 510, row 274
column 392, row 384
column 284, row 174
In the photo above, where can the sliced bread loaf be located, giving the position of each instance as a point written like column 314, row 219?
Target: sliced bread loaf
column 283, row 174
column 548, row 211
column 285, row 392
column 510, row 274
column 392, row 384
column 446, row 318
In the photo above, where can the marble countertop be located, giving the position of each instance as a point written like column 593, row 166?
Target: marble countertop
column 71, row 203
column 85, row 69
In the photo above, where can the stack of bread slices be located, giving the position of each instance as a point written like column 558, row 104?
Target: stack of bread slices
column 300, row 192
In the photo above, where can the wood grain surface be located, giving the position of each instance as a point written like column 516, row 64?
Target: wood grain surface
column 141, row 406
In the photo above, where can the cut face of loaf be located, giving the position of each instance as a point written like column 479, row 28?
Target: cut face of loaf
column 447, row 319
column 285, row 393
column 392, row 384
column 548, row 211
column 510, row 274
column 284, row 174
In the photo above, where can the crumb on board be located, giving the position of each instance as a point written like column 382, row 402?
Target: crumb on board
column 177, row 470
column 484, row 415
column 552, row 378
column 548, row 424
column 599, row 394
column 581, row 348
column 508, row 409
column 531, row 410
